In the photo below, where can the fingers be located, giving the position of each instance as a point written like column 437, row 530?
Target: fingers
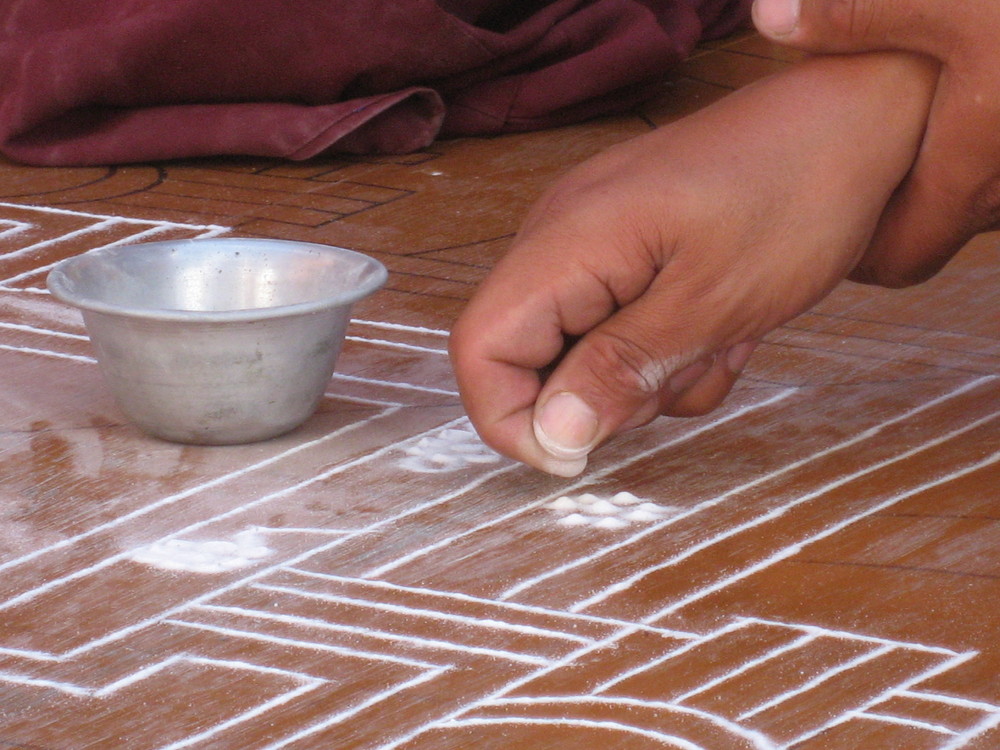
column 564, row 274
column 655, row 356
column 497, row 350
column 832, row 26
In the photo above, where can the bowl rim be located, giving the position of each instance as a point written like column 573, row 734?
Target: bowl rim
column 56, row 282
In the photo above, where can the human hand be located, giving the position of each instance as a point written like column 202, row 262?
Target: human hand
column 953, row 191
column 665, row 258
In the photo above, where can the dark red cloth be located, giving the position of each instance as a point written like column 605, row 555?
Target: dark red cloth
column 110, row 81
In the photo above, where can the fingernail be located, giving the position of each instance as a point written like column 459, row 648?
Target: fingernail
column 566, row 427
column 688, row 376
column 566, row 469
column 776, row 18
column 737, row 356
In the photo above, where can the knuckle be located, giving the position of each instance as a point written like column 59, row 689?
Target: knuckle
column 888, row 277
column 898, row 274
column 984, row 210
column 855, row 19
column 622, row 366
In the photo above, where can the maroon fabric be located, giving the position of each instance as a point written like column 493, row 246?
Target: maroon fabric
column 105, row 81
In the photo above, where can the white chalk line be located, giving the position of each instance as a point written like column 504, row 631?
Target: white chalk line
column 353, row 711
column 63, row 687
column 391, row 384
column 587, row 479
column 615, row 726
column 751, row 735
column 915, row 723
column 810, row 633
column 334, row 396
column 320, row 531
column 401, row 327
column 794, row 549
column 397, row 345
column 86, row 214
column 960, row 741
column 146, row 672
column 431, row 614
column 949, row 700
column 713, row 502
column 491, row 603
column 48, row 353
column 43, row 331
column 252, row 635
column 378, row 635
column 858, row 637
column 14, row 228
column 36, row 290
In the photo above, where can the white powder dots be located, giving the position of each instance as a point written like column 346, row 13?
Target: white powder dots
column 617, row 512
column 574, row 519
column 451, row 449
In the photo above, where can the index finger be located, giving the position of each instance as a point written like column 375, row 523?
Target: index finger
column 504, row 337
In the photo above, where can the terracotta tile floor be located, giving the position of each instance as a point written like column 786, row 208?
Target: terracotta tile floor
column 818, row 565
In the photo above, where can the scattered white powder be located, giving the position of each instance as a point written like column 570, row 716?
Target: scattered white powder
column 209, row 556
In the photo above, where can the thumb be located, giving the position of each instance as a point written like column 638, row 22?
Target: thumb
column 831, row 26
column 639, row 363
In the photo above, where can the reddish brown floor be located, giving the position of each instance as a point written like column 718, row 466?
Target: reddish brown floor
column 818, row 568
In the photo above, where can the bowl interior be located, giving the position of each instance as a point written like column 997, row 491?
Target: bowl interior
column 215, row 276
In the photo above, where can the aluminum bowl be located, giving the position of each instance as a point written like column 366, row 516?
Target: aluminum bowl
column 217, row 341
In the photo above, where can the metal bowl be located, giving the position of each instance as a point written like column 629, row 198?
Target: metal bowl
column 217, row 341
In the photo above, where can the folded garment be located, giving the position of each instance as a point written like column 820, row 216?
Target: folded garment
column 112, row 81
